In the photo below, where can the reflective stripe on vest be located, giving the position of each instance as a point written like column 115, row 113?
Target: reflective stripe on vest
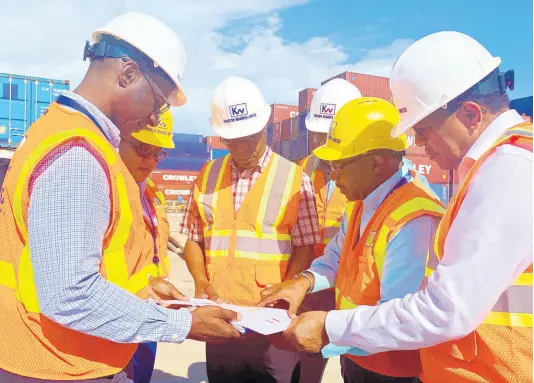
column 274, row 246
column 113, row 254
column 514, row 307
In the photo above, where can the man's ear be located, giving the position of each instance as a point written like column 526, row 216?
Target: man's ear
column 378, row 163
column 470, row 114
column 129, row 73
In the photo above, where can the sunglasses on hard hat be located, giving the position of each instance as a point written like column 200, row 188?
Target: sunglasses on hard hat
column 145, row 151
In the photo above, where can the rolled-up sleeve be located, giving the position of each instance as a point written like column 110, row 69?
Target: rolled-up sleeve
column 68, row 216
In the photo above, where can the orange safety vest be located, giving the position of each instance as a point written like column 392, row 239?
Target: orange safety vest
column 250, row 248
column 362, row 260
column 500, row 350
column 329, row 211
column 31, row 344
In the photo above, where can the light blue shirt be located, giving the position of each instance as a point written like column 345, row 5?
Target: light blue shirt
column 405, row 260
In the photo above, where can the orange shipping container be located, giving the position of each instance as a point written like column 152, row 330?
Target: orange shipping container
column 280, row 112
column 369, row 85
column 430, row 169
column 412, row 148
column 305, row 99
column 215, row 142
column 173, row 177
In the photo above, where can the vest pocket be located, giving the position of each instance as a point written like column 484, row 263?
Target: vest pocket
column 267, row 273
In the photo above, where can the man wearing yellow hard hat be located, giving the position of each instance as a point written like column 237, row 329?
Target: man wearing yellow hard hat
column 378, row 255
column 141, row 153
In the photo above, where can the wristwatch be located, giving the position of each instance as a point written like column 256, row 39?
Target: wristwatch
column 305, row 275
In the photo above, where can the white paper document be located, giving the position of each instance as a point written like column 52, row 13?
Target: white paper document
column 263, row 320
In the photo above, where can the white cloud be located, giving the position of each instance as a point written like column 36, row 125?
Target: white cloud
column 47, row 38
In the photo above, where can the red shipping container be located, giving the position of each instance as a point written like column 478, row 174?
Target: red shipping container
column 313, row 143
column 295, row 127
column 215, row 142
column 280, row 112
column 286, row 130
column 172, row 177
column 277, row 132
column 430, row 169
column 174, row 192
column 305, row 99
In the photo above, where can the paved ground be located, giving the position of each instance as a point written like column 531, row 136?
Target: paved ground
column 181, row 363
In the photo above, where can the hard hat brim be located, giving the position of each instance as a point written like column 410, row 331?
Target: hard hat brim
column 256, row 126
column 328, row 154
column 404, row 126
column 315, row 125
column 154, row 141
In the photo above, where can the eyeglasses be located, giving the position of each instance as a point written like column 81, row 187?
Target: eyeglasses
column 245, row 140
column 157, row 109
column 339, row 167
column 145, row 151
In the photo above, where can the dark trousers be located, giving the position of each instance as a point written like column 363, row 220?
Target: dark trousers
column 353, row 373
column 249, row 361
column 143, row 362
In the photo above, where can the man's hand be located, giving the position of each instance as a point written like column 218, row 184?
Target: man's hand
column 305, row 333
column 292, row 291
column 160, row 289
column 210, row 325
column 204, row 289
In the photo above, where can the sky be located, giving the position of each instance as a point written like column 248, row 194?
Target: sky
column 282, row 45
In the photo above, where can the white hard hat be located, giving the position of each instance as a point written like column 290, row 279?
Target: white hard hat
column 328, row 99
column 435, row 70
column 238, row 108
column 156, row 40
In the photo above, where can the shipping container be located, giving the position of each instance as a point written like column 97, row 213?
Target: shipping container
column 286, row 130
column 270, row 134
column 188, row 138
column 295, row 127
column 277, row 132
column 302, row 148
column 190, row 150
column 412, row 148
column 182, row 163
column 285, row 149
column 430, row 169
column 23, row 99
column 523, row 106
column 179, row 193
column 276, row 147
column 303, row 131
column 214, row 142
column 178, row 177
column 369, row 85
column 441, row 191
column 280, row 112
column 313, row 142
column 216, row 153
column 305, row 99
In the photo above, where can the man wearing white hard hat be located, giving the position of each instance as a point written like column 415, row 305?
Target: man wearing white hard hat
column 72, row 221
column 473, row 318
column 251, row 222
column 331, row 203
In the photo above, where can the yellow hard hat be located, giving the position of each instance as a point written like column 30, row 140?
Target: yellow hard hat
column 362, row 125
column 160, row 135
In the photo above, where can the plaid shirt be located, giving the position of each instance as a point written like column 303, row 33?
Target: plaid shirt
column 305, row 232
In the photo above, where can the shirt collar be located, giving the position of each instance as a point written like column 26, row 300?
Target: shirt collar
column 493, row 132
column 375, row 199
column 263, row 162
column 109, row 128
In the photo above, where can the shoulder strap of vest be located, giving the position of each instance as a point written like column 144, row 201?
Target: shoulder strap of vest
column 153, row 191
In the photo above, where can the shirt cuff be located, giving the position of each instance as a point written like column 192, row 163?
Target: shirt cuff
column 178, row 326
column 321, row 282
column 337, row 326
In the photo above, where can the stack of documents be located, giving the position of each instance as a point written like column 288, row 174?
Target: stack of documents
column 263, row 320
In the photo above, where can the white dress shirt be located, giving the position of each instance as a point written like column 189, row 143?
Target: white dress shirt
column 488, row 246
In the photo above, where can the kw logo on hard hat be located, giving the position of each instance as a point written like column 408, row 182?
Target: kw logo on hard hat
column 239, row 112
column 333, row 126
column 326, row 111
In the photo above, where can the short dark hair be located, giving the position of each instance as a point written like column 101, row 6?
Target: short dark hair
column 485, row 92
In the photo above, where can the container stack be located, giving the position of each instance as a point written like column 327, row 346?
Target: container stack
column 216, row 147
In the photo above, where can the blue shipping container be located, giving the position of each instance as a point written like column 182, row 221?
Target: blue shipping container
column 217, row 153
column 302, row 124
column 192, row 138
column 23, row 99
column 269, row 134
column 184, row 163
column 190, row 149
column 522, row 105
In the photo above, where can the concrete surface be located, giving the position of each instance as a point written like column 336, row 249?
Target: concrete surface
column 185, row 363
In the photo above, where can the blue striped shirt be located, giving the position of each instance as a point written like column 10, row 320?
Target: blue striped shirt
column 68, row 217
